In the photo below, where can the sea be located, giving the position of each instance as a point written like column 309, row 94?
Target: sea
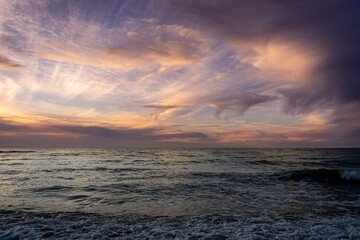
column 179, row 193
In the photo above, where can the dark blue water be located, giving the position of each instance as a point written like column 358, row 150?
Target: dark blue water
column 179, row 193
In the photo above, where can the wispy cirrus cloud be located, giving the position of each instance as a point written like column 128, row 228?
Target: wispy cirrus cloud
column 238, row 73
column 141, row 43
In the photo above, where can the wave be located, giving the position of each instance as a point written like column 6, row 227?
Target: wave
column 326, row 175
column 265, row 162
column 55, row 188
column 350, row 175
column 97, row 169
column 26, row 225
column 331, row 176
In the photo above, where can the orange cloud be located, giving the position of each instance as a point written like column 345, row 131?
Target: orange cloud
column 8, row 64
column 143, row 45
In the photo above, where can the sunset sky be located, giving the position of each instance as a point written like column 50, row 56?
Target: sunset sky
column 180, row 73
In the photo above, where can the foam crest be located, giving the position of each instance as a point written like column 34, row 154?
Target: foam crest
column 350, row 175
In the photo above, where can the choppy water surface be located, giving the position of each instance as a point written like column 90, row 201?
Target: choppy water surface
column 179, row 193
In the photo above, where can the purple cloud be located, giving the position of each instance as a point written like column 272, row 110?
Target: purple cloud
column 330, row 27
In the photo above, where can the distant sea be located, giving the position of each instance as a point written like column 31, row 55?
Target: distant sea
column 179, row 194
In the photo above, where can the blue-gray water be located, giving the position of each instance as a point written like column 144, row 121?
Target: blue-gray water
column 179, row 193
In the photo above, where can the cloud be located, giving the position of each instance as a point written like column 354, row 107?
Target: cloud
column 161, row 106
column 139, row 44
column 340, row 128
column 314, row 45
column 334, row 83
column 238, row 101
column 184, row 135
column 127, row 134
column 6, row 127
column 116, row 72
column 99, row 131
column 8, row 64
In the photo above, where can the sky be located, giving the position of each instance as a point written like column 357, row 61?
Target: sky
column 168, row 73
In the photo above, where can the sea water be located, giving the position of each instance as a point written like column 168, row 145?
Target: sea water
column 179, row 193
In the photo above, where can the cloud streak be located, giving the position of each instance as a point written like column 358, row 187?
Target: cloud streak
column 239, row 101
column 8, row 64
column 160, row 106
column 143, row 43
column 97, row 133
column 236, row 101
column 128, row 134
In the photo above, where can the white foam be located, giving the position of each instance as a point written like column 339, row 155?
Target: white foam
column 350, row 175
column 28, row 226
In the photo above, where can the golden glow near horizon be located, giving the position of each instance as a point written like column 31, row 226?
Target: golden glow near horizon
column 79, row 70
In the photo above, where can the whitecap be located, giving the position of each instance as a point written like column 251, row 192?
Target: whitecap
column 350, row 175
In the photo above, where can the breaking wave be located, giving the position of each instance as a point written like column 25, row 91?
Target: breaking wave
column 26, row 225
column 326, row 175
